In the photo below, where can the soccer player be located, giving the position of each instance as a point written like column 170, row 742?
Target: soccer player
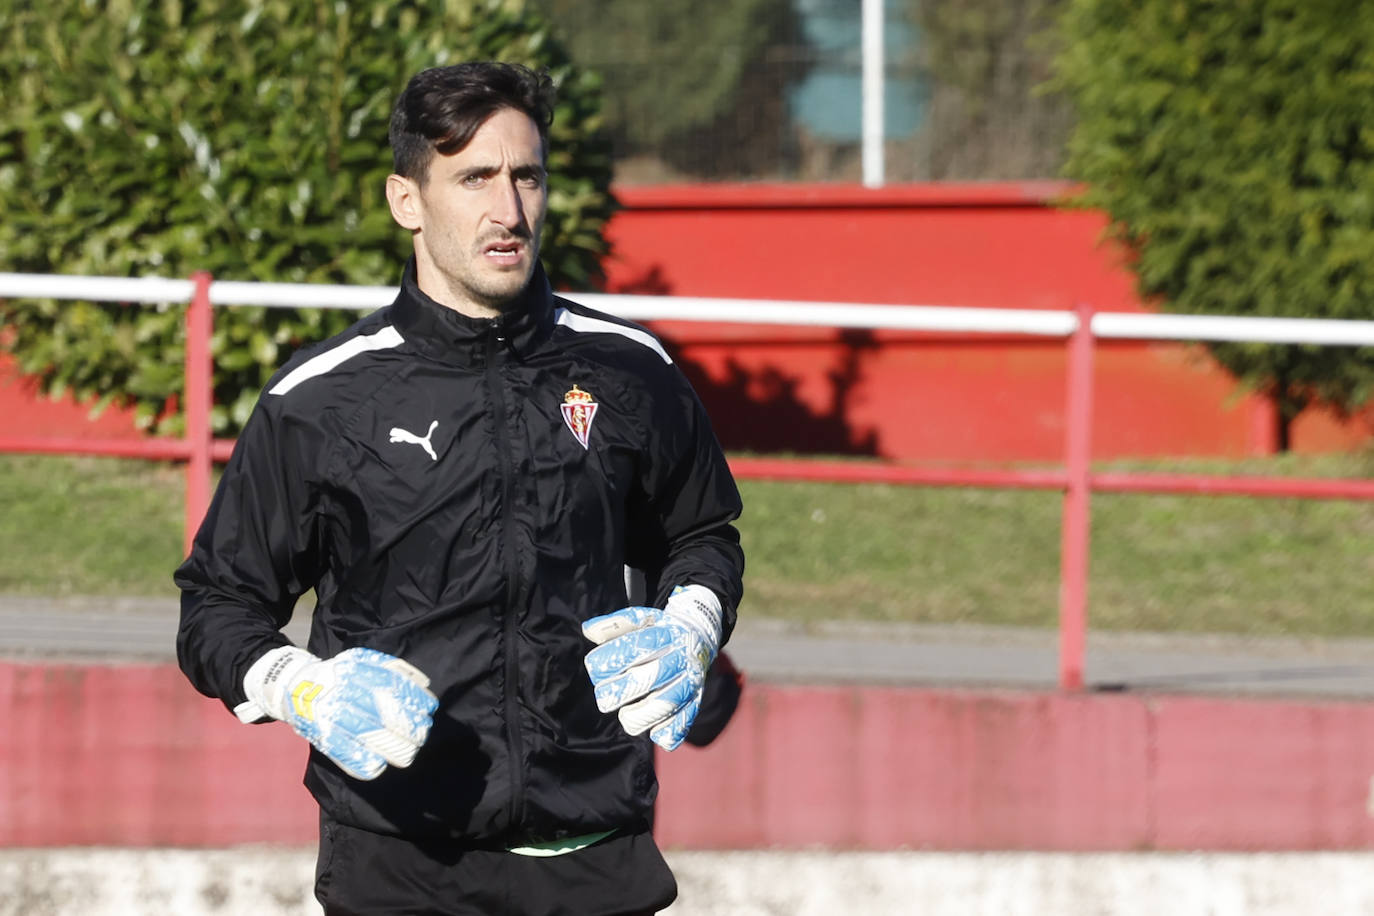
column 475, row 480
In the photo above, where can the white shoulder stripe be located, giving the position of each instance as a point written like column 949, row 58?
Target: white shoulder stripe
column 321, row 363
column 584, row 324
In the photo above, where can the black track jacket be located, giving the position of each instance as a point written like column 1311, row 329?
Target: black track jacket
column 463, row 493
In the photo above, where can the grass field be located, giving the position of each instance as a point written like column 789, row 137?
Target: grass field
column 82, row 526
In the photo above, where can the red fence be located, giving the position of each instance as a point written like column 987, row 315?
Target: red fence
column 1076, row 479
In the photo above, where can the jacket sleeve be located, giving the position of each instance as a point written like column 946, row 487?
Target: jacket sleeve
column 254, row 555
column 693, row 502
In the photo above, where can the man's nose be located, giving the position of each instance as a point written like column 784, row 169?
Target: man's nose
column 506, row 207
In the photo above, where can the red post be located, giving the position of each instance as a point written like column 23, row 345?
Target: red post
column 198, row 398
column 1073, row 551
column 1262, row 435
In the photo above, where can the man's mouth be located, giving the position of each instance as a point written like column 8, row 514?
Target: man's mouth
column 506, row 251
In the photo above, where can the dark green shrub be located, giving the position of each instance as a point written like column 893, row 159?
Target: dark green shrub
column 246, row 138
column 1232, row 147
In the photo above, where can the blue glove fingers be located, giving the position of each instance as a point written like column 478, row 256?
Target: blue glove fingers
column 395, row 749
column 353, row 757
column 673, row 732
column 399, row 690
column 638, row 680
column 374, row 699
column 402, row 705
column 653, row 674
column 360, row 655
column 407, row 710
column 618, row 623
column 342, row 747
column 634, row 648
column 354, row 731
column 662, row 704
column 406, row 670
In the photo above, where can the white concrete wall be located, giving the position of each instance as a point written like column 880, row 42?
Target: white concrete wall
column 276, row 882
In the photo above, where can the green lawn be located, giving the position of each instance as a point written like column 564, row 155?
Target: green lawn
column 89, row 526
column 826, row 551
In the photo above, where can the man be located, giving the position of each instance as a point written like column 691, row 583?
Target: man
column 468, row 479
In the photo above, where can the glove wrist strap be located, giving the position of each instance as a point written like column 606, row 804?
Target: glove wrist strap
column 267, row 680
column 698, row 608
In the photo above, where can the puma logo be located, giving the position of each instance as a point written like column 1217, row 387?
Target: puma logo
column 408, row 437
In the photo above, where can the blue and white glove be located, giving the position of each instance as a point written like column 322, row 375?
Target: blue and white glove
column 650, row 664
column 362, row 709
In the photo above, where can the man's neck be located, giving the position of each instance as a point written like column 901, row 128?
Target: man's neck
column 445, row 296
column 433, row 285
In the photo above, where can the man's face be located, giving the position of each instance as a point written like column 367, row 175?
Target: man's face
column 476, row 220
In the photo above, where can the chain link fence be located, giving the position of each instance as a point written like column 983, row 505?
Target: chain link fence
column 750, row 90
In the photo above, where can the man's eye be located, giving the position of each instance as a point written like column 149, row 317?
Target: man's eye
column 530, row 181
column 473, row 181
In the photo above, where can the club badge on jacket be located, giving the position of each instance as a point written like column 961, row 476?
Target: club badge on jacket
column 579, row 409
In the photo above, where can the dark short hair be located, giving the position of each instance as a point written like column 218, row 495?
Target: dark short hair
column 442, row 108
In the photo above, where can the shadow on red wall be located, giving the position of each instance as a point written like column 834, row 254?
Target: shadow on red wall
column 763, row 410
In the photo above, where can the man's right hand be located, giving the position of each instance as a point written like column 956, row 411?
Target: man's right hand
column 362, row 709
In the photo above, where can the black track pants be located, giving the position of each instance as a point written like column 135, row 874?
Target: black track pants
column 367, row 874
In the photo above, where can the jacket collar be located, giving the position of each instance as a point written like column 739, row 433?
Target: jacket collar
column 448, row 334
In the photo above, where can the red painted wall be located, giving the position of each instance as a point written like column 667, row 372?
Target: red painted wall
column 998, row 245
column 931, row 397
column 25, row 412
column 132, row 756
column 896, row 395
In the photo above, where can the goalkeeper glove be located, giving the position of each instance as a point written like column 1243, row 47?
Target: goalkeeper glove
column 650, row 664
column 362, row 709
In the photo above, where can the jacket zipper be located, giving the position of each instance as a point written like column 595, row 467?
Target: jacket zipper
column 511, row 563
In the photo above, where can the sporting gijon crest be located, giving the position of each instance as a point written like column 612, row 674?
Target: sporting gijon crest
column 579, row 409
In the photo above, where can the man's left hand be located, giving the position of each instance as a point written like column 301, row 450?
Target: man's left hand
column 650, row 663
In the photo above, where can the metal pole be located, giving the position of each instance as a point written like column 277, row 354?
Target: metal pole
column 1074, row 546
column 198, row 400
column 872, row 44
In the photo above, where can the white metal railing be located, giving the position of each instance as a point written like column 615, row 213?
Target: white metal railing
column 1037, row 322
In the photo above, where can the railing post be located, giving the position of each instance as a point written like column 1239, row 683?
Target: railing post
column 197, row 401
column 1262, row 432
column 1074, row 529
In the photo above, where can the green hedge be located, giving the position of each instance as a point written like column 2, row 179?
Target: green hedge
column 247, row 138
column 1232, row 147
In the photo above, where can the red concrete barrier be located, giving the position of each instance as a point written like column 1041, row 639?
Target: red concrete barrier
column 1261, row 775
column 132, row 756
column 886, row 768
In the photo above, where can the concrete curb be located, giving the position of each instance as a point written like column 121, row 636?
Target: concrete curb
column 263, row 881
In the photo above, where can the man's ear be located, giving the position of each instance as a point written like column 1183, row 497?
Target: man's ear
column 403, row 195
